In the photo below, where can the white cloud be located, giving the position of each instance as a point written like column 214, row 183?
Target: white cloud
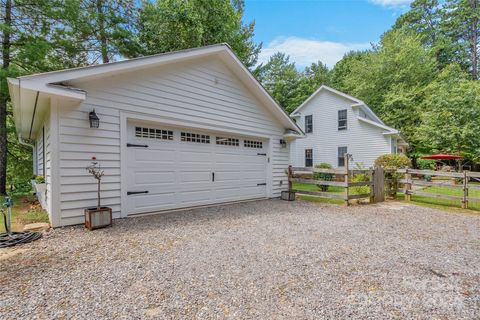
column 392, row 3
column 305, row 51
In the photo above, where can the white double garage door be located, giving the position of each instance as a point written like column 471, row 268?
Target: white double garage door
column 169, row 168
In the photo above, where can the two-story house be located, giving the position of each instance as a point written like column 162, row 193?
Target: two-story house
column 336, row 123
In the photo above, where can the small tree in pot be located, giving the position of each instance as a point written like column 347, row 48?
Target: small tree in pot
column 100, row 216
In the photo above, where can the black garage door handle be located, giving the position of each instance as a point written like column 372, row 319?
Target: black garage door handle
column 136, row 192
column 137, row 145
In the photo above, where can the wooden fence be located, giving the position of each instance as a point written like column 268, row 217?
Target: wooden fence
column 305, row 175
column 457, row 180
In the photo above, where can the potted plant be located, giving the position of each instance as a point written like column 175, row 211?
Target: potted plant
column 99, row 216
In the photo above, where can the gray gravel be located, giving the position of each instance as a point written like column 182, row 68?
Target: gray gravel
column 267, row 259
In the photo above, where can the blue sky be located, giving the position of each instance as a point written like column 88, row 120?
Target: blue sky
column 323, row 30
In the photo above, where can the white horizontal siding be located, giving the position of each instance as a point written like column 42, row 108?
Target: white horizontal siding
column 203, row 93
column 43, row 150
column 365, row 142
column 40, row 155
column 48, row 164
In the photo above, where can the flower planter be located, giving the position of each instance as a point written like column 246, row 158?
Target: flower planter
column 40, row 187
column 98, row 218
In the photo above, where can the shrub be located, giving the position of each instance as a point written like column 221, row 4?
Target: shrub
column 425, row 164
column 323, row 175
column 360, row 177
column 392, row 162
column 40, row 179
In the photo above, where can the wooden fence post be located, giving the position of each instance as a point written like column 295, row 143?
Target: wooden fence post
column 465, row 191
column 372, row 186
column 290, row 183
column 346, row 157
column 408, row 185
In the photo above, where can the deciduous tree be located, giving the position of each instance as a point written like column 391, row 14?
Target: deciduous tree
column 168, row 25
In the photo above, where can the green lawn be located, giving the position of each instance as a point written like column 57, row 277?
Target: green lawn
column 25, row 210
column 321, row 199
column 312, row 187
column 331, row 189
column 458, row 192
column 421, row 200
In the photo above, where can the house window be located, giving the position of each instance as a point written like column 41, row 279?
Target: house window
column 308, row 157
column 252, row 144
column 363, row 114
column 342, row 119
column 227, row 141
column 341, row 156
column 194, row 137
column 394, row 146
column 151, row 133
column 308, row 124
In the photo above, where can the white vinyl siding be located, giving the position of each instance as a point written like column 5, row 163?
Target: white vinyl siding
column 43, row 157
column 39, row 153
column 364, row 141
column 201, row 93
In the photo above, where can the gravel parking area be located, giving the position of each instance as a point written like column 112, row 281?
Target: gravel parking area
column 259, row 260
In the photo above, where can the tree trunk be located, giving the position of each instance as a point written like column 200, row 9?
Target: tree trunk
column 4, row 97
column 474, row 40
column 102, row 34
column 98, row 194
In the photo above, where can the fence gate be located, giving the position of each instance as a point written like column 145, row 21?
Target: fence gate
column 378, row 185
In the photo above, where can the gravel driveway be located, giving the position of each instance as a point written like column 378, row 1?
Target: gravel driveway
column 259, row 260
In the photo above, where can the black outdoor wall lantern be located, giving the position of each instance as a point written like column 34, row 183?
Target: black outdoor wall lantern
column 94, row 120
column 283, row 143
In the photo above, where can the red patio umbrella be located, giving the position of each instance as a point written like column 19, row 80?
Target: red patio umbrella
column 442, row 156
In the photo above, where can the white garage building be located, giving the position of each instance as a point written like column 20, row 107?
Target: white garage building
column 182, row 129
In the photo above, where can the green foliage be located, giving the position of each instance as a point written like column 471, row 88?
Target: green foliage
column 344, row 68
column 450, row 28
column 425, row 164
column 323, row 175
column 168, row 25
column 280, row 77
column 392, row 161
column 391, row 78
column 451, row 123
column 288, row 86
column 40, row 179
column 360, row 177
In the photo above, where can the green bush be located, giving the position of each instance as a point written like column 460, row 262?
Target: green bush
column 322, row 175
column 360, row 177
column 40, row 179
column 425, row 164
column 392, row 162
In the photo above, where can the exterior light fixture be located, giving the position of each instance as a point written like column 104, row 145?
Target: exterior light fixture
column 94, row 120
column 283, row 143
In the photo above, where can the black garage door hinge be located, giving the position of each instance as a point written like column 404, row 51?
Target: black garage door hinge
column 137, row 145
column 136, row 192
column 261, row 154
column 262, row 184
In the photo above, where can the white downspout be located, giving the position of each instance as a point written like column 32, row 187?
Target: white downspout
column 34, row 156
